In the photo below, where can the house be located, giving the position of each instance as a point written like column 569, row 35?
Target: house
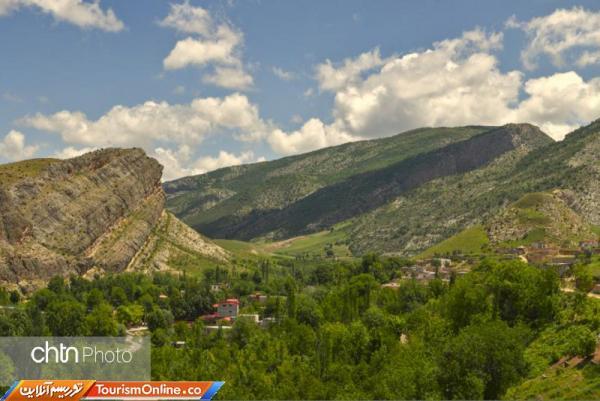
column 215, row 287
column 590, row 244
column 596, row 289
column 258, row 297
column 392, row 285
column 562, row 260
column 228, row 308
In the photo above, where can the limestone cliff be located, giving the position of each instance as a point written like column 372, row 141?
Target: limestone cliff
column 90, row 213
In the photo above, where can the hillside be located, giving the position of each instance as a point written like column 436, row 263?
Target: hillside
column 379, row 203
column 206, row 201
column 90, row 213
column 444, row 207
column 539, row 217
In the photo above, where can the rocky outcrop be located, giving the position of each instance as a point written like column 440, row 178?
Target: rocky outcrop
column 93, row 212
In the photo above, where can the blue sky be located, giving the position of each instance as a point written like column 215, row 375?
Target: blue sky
column 205, row 84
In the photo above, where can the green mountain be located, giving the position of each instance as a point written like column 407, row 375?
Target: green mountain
column 399, row 194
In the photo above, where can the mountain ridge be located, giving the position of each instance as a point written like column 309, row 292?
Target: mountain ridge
column 92, row 212
column 359, row 194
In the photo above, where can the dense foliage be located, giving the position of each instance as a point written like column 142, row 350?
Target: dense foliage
column 337, row 334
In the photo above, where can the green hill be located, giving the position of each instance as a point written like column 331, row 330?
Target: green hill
column 402, row 194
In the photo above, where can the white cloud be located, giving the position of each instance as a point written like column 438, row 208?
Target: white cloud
column 70, row 152
column 312, row 135
column 331, row 77
column 199, row 52
column 188, row 19
column 230, row 78
column 282, row 74
column 456, row 82
column 560, row 103
column 13, row 147
column 178, row 163
column 150, row 122
column 565, row 36
column 78, row 12
column 169, row 132
column 179, row 90
column 216, row 45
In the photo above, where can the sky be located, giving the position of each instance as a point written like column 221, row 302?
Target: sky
column 203, row 84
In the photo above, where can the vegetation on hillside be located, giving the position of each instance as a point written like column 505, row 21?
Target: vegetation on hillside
column 13, row 172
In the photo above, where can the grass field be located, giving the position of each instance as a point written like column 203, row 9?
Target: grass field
column 561, row 384
column 470, row 240
column 13, row 172
column 241, row 248
column 314, row 244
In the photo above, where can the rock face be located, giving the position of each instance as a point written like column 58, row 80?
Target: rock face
column 93, row 212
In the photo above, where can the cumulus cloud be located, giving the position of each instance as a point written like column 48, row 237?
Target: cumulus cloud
column 333, row 77
column 71, row 151
column 216, row 45
column 151, row 122
column 218, row 49
column 314, row 134
column 560, row 103
column 13, row 147
column 282, row 74
column 230, row 78
column 178, row 163
column 456, row 82
column 170, row 132
column 188, row 19
column 565, row 37
column 84, row 14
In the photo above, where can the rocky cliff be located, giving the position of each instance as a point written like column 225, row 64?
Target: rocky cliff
column 95, row 213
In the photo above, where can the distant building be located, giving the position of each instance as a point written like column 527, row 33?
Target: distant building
column 258, row 297
column 393, row 285
column 228, row 308
column 590, row 244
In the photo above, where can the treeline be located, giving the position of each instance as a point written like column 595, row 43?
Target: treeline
column 337, row 334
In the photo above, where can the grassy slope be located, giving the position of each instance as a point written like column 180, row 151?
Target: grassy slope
column 315, row 244
column 561, row 384
column 13, row 172
column 470, row 240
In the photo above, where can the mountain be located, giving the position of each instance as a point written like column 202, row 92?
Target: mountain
column 239, row 191
column 100, row 212
column 442, row 208
column 381, row 193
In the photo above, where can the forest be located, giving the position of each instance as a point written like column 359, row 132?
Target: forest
column 335, row 332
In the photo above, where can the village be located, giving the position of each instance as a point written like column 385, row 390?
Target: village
column 538, row 253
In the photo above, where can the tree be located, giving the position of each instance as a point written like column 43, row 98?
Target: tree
column 483, row 361
column 66, row 318
column 100, row 322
